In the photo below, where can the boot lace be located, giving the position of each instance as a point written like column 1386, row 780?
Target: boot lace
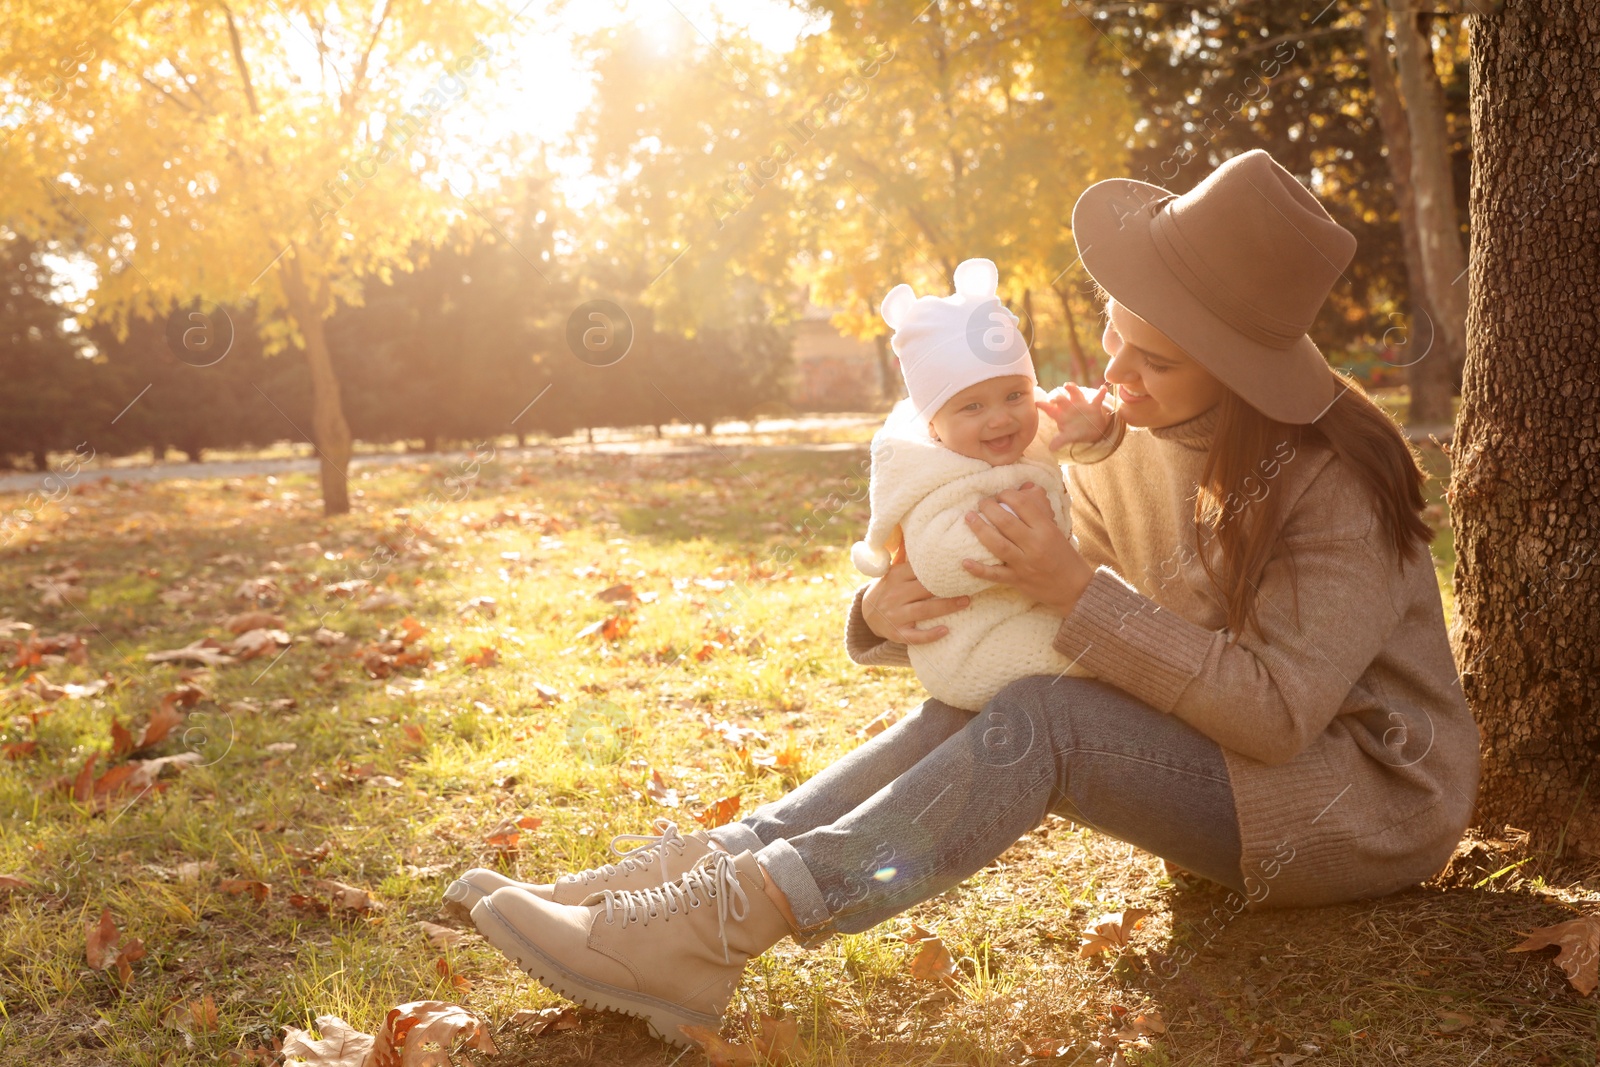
column 650, row 848
column 715, row 878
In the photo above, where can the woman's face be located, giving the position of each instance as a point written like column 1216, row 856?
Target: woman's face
column 1157, row 383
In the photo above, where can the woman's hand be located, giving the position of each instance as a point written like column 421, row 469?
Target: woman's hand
column 1082, row 417
column 1035, row 557
column 895, row 603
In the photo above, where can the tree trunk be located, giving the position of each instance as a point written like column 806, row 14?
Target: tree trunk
column 888, row 374
column 1430, row 374
column 1526, row 485
column 1444, row 261
column 328, row 424
column 1082, row 368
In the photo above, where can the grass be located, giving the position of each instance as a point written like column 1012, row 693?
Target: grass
column 396, row 783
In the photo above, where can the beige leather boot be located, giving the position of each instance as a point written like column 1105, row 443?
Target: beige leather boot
column 654, row 860
column 671, row 955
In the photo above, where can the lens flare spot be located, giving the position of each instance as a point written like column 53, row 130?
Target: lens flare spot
column 884, row 874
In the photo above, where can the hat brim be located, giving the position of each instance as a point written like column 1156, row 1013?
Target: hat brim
column 1293, row 385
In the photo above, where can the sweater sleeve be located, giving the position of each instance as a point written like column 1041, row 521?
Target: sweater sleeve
column 867, row 648
column 1269, row 694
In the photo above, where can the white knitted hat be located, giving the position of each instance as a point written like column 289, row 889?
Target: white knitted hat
column 946, row 343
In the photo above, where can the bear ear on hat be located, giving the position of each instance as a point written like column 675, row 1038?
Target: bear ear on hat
column 896, row 304
column 977, row 278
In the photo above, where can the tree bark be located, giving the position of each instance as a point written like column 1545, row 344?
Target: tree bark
column 1430, row 376
column 1525, row 490
column 328, row 424
column 1444, row 260
column 1082, row 368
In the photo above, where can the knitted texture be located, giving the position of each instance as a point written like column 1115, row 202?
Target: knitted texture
column 920, row 494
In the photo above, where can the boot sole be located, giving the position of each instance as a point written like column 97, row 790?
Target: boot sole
column 662, row 1016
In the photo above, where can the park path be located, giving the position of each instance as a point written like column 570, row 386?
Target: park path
column 733, row 439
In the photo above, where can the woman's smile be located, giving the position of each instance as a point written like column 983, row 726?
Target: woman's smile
column 1128, row 396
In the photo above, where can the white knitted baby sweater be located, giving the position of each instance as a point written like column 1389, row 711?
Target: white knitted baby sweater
column 926, row 490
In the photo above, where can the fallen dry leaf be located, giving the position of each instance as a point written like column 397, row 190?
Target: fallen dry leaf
column 207, row 651
column 622, row 593
column 487, row 656
column 347, row 897
column 254, row 643
column 196, row 1016
column 235, row 886
column 11, row 882
column 1579, row 942
column 933, row 963
column 442, row 937
column 719, row 813
column 721, row 1053
column 547, row 697
column 382, row 601
column 541, row 1021
column 341, row 1045
column 162, row 722
column 1110, row 932
column 102, row 948
column 879, row 724
column 658, row 791
column 253, row 620
column 409, row 1028
column 483, row 605
column 610, row 628
column 780, row 1042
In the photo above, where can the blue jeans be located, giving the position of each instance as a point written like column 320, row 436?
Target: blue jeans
column 943, row 792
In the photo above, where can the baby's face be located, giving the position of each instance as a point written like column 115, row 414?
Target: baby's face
column 994, row 421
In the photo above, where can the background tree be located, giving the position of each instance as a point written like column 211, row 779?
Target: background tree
column 210, row 166
column 1525, row 493
column 1316, row 86
column 45, row 404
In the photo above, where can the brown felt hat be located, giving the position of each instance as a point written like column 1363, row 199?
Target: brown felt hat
column 1233, row 271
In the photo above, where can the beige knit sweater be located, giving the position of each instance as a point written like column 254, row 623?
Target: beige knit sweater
column 1353, row 756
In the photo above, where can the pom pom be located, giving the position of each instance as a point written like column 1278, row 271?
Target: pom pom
column 873, row 562
column 977, row 278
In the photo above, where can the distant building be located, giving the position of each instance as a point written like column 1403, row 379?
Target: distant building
column 833, row 372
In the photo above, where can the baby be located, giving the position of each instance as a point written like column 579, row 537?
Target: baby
column 970, row 429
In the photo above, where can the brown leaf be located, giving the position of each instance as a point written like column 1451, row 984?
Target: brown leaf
column 121, row 739
column 83, row 785
column 547, row 697
column 196, row 1016
column 341, row 1045
column 15, row 750
column 255, row 643
column 545, row 1020
column 530, row 822
column 410, row 1028
column 487, row 656
column 879, row 724
column 9, row 882
column 658, row 791
column 414, row 629
column 442, row 937
column 303, row 902
column 207, row 651
column 347, row 897
column 719, row 812
column 235, row 886
column 933, row 963
column 101, row 936
column 1579, row 942
column 721, row 1053
column 610, row 628
column 621, row 593
column 780, row 1042
column 1110, row 932
column 253, row 620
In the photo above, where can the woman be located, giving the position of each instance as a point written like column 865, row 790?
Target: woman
column 1274, row 703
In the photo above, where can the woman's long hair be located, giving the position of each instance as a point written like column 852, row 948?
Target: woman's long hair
column 1237, row 509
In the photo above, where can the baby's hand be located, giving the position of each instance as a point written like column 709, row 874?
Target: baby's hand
column 1080, row 416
